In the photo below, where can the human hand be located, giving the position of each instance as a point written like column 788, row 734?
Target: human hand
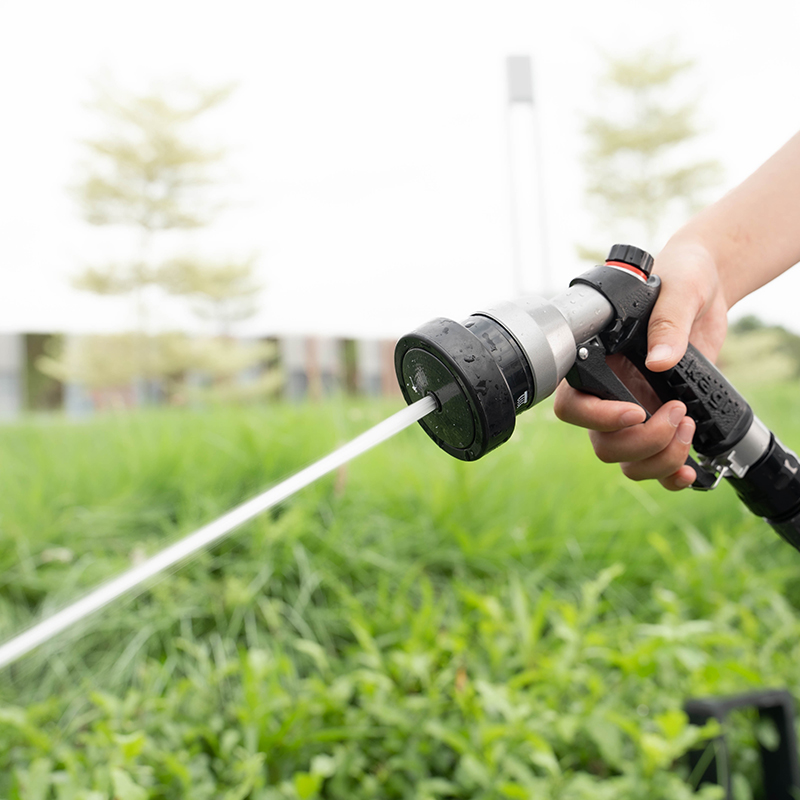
column 691, row 306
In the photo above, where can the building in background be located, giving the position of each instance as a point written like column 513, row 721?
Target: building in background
column 12, row 372
column 313, row 367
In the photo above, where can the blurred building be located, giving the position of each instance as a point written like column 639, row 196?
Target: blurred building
column 12, row 382
column 312, row 367
column 316, row 366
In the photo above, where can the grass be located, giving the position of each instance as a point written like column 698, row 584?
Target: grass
column 525, row 626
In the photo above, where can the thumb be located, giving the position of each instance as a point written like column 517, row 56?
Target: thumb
column 668, row 332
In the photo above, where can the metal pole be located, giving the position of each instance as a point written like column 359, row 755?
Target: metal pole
column 526, row 182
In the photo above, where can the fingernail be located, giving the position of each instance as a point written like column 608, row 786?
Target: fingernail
column 685, row 432
column 631, row 417
column 676, row 415
column 661, row 352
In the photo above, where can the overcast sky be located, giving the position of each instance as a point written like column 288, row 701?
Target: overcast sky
column 369, row 158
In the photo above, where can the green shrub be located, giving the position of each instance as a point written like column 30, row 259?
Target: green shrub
column 525, row 626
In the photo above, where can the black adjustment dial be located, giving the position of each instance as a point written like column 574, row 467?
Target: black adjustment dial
column 633, row 256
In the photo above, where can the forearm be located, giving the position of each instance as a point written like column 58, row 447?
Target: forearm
column 753, row 232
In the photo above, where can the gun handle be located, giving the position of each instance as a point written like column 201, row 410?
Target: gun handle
column 722, row 415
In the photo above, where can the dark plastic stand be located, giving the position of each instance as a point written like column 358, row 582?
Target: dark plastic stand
column 780, row 767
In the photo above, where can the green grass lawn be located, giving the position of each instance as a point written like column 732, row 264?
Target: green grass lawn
column 525, row 626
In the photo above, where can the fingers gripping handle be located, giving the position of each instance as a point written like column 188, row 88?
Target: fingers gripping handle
column 721, row 414
column 591, row 374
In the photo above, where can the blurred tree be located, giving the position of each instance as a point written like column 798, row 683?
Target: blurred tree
column 107, row 366
column 224, row 292
column 97, row 362
column 748, row 324
column 774, row 348
column 42, row 392
column 147, row 174
column 790, row 347
column 639, row 163
column 144, row 173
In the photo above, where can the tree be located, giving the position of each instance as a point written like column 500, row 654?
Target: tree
column 222, row 292
column 148, row 174
column 145, row 173
column 639, row 163
column 106, row 365
column 774, row 348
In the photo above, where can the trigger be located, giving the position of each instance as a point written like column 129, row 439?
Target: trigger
column 590, row 373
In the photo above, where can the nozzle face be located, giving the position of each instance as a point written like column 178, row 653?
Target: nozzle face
column 452, row 422
column 476, row 407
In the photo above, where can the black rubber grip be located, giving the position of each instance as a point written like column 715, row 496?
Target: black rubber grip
column 721, row 414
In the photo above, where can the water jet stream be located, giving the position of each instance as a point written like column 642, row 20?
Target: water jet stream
column 45, row 630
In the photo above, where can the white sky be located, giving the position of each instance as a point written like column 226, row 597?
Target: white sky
column 368, row 142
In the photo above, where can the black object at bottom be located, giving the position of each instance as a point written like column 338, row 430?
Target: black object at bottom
column 780, row 768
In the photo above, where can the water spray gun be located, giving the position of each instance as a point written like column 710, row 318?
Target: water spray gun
column 466, row 382
column 498, row 363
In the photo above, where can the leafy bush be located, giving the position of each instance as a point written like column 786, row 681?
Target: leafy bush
column 526, row 626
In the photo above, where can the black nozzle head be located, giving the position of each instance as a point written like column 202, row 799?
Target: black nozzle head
column 476, row 410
